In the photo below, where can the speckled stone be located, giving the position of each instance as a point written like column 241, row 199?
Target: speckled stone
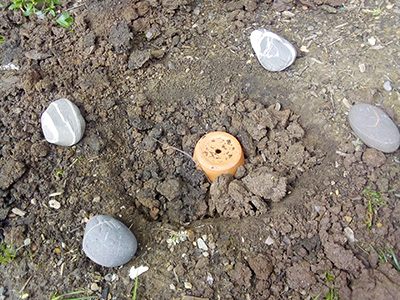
column 273, row 52
column 108, row 242
column 62, row 123
column 374, row 127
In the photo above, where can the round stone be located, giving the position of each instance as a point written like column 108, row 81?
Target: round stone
column 374, row 127
column 108, row 242
column 273, row 52
column 62, row 123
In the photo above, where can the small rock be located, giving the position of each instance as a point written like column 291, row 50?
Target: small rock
column 152, row 33
column 288, row 14
column 188, row 285
column 273, row 52
column 18, row 212
column 374, row 127
column 269, row 241
column 9, row 66
column 329, row 9
column 348, row 219
column 349, row 234
column 201, row 244
column 361, row 68
column 110, row 277
column 372, row 41
column 96, row 199
column 304, row 49
column 34, row 54
column 387, row 86
column 302, row 252
column 54, row 204
column 196, row 11
column 171, row 65
column 138, row 58
column 193, row 298
column 282, row 5
column 108, row 242
column 157, row 54
column 94, row 286
column 62, row 123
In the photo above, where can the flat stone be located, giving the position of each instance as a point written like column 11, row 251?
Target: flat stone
column 374, row 127
column 108, row 242
column 273, row 52
column 62, row 123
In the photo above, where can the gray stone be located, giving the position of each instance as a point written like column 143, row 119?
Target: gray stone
column 62, row 123
column 108, row 242
column 273, row 52
column 374, row 127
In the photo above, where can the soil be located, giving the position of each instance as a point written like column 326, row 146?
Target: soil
column 153, row 76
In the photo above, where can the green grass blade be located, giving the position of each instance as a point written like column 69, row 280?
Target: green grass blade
column 396, row 263
column 135, row 289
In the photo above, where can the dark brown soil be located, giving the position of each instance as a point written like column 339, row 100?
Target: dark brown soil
column 154, row 75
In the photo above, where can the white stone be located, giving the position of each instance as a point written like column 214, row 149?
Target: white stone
column 362, row 68
column 372, row 41
column 269, row 241
column 201, row 244
column 18, row 212
column 349, row 234
column 273, row 52
column 54, row 204
column 62, row 123
column 188, row 285
column 387, row 86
